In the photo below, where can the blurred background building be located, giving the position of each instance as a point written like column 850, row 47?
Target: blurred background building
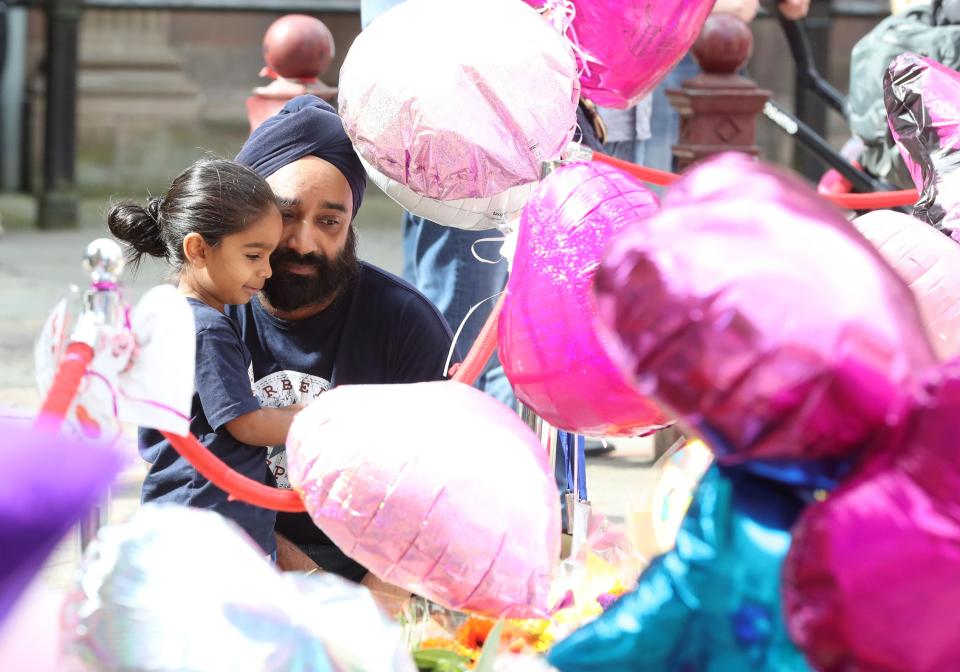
column 159, row 82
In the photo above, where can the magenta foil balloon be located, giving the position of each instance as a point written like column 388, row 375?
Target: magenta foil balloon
column 627, row 46
column 929, row 262
column 551, row 351
column 872, row 581
column 754, row 311
column 923, row 111
column 435, row 487
column 459, row 99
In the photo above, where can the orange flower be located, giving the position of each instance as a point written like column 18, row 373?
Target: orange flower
column 474, row 632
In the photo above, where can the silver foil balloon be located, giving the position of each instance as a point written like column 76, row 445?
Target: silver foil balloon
column 177, row 588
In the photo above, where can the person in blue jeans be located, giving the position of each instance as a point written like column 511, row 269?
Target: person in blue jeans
column 627, row 130
column 438, row 261
column 664, row 120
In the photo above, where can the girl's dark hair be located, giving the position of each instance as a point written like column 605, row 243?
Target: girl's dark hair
column 213, row 197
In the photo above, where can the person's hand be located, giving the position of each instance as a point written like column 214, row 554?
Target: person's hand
column 389, row 598
column 291, row 559
column 794, row 9
column 744, row 10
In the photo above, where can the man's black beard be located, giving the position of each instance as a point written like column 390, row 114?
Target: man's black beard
column 287, row 291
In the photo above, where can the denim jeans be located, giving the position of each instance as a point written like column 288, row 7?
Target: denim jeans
column 627, row 150
column 665, row 122
column 438, row 260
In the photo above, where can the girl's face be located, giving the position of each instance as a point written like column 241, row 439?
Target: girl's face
column 235, row 270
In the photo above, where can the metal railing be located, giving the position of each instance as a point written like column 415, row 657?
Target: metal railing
column 59, row 205
column 282, row 6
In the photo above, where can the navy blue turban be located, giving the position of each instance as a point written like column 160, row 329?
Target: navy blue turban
column 306, row 126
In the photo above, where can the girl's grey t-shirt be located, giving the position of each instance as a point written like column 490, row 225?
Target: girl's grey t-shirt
column 223, row 393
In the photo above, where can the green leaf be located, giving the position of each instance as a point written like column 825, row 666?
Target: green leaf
column 439, row 660
column 488, row 654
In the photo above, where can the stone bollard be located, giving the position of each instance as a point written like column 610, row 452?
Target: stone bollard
column 718, row 108
column 298, row 49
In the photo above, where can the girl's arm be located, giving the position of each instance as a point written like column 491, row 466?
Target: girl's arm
column 263, row 427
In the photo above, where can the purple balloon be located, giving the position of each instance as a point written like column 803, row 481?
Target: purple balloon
column 923, row 111
column 49, row 482
column 630, row 46
column 755, row 312
column 872, row 580
column 549, row 345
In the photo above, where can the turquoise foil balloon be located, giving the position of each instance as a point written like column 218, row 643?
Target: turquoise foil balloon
column 713, row 602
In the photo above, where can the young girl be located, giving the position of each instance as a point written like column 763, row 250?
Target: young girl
column 216, row 226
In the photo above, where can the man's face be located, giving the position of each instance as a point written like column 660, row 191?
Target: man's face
column 317, row 256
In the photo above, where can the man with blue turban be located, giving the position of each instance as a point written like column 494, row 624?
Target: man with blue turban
column 324, row 318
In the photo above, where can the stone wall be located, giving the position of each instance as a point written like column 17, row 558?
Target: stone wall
column 157, row 89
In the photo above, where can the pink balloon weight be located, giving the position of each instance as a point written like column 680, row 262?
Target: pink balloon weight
column 923, row 112
column 629, row 46
column 929, row 262
column 753, row 310
column 435, row 487
column 551, row 351
column 872, row 580
column 459, row 99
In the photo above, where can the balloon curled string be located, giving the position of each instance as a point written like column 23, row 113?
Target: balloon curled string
column 456, row 336
column 484, row 260
column 561, row 13
column 872, row 201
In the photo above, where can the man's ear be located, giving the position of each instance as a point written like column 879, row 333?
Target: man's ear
column 195, row 250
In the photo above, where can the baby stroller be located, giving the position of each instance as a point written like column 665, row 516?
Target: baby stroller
column 870, row 161
column 931, row 30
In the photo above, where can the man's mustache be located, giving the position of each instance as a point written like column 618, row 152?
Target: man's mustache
column 290, row 257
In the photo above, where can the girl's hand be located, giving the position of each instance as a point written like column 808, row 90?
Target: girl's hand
column 744, row 10
column 794, row 9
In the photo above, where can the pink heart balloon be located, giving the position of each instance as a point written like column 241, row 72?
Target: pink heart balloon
column 753, row 310
column 630, row 46
column 435, row 487
column 552, row 353
column 929, row 262
column 922, row 98
column 872, row 580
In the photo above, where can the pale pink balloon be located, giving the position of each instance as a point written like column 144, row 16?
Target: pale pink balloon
column 557, row 360
column 30, row 634
column 629, row 45
column 434, row 487
column 929, row 262
column 459, row 99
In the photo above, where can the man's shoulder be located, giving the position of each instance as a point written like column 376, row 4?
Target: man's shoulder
column 374, row 278
column 394, row 296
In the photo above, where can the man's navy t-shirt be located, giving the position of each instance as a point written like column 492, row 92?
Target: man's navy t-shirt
column 381, row 330
column 223, row 393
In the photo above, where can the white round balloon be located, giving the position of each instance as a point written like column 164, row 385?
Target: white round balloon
column 460, row 100
column 474, row 214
